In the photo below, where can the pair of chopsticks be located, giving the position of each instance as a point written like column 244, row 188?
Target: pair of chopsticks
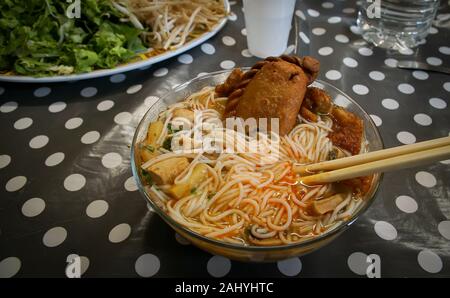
column 391, row 159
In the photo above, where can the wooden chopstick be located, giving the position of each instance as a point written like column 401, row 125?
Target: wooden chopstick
column 369, row 157
column 383, row 165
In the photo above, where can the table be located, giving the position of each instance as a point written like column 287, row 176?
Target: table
column 66, row 185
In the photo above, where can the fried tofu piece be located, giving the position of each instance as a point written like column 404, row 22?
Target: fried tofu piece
column 198, row 175
column 347, row 130
column 276, row 91
column 184, row 113
column 320, row 207
column 165, row 172
column 148, row 147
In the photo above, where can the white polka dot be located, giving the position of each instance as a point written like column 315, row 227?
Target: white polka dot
column 4, row 160
column 444, row 229
column 57, row 107
column 38, row 141
column 444, row 50
column 357, row 262
column 151, row 100
column 433, row 30
column 97, row 208
column 244, row 31
column 333, row 75
column 377, row 120
column 54, row 237
column 350, row 62
column 447, row 86
column 360, row 89
column 445, row 162
column 334, row 20
column 105, row 105
column 385, row 230
column 33, row 207
column 89, row 92
column 300, row 14
column 325, row 51
column 180, row 239
column 376, row 75
column 232, row 17
column 290, row 267
column 304, row 38
column 327, row 5
column 406, row 204
column 391, row 62
column 406, row 51
column 111, row 160
column 429, row 261
column 227, row 64
column 313, row 13
column 218, row 266
column 8, row 107
column 208, row 48
column 74, row 182
column 15, row 183
column 365, row 51
column 319, row 31
column 426, row 179
column 23, row 123
column 434, row 61
column 9, row 267
column 147, row 265
column 123, row 118
column 185, row 59
column 423, row 119
column 130, row 184
column 348, row 10
column 341, row 38
column 73, row 123
column 246, row 53
column 134, row 89
column 355, row 30
column 119, row 233
column 390, row 104
column 160, row 72
column 420, row 75
column 54, row 159
column 406, row 88
column 437, row 103
column 42, row 92
column 118, row 78
column 90, row 137
column 228, row 41
column 406, row 137
column 84, row 264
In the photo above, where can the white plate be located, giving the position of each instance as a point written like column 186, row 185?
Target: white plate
column 126, row 67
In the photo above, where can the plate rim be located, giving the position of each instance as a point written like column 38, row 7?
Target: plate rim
column 126, row 67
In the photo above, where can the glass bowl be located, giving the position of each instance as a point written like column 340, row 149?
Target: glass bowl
column 235, row 251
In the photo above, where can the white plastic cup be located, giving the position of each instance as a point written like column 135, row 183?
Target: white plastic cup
column 268, row 23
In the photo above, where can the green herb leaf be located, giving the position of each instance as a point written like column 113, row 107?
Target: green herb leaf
column 147, row 177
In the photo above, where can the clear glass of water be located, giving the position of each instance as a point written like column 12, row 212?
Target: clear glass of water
column 396, row 24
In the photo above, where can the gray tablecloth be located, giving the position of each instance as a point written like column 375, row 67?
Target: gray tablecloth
column 66, row 186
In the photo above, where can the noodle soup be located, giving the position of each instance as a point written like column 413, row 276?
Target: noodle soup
column 244, row 197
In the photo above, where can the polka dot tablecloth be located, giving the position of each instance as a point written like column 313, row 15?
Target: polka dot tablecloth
column 66, row 187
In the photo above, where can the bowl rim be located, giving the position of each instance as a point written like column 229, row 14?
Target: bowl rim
column 342, row 227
